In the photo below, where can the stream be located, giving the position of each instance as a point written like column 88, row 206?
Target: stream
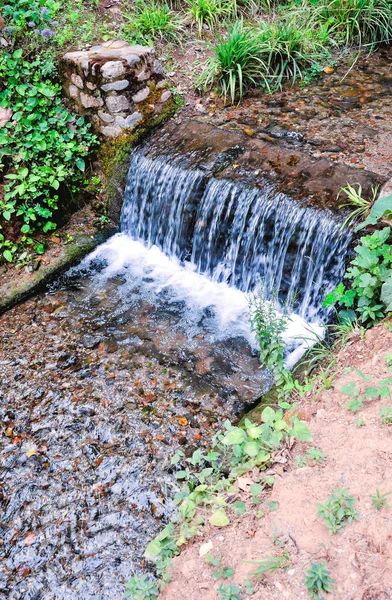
column 145, row 347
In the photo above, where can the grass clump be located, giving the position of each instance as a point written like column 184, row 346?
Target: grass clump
column 318, row 580
column 338, row 510
column 152, row 21
column 357, row 22
column 210, row 12
column 237, row 63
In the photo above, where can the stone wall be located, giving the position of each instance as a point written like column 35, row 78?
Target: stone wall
column 116, row 85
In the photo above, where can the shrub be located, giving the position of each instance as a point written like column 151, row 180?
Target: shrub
column 370, row 296
column 43, row 148
column 237, row 63
column 289, row 48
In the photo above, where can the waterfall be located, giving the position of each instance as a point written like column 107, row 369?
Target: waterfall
column 248, row 238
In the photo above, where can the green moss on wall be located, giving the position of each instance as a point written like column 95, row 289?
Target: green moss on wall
column 114, row 154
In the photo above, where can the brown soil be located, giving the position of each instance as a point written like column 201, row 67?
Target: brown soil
column 358, row 458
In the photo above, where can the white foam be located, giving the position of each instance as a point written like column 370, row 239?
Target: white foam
column 231, row 306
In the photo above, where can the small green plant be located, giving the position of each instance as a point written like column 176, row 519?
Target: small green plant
column 301, row 461
column 230, row 592
column 370, row 296
column 355, row 403
column 271, row 564
column 338, row 510
column 379, row 500
column 360, row 422
column 354, row 199
column 316, row 455
column 141, row 587
column 386, row 415
column 318, row 580
column 222, row 572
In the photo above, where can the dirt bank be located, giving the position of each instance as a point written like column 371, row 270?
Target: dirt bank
column 358, row 453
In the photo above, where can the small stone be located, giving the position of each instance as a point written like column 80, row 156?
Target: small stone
column 141, row 95
column 3, row 42
column 131, row 121
column 105, row 117
column 112, row 69
column 91, row 86
column 201, row 109
column 117, row 103
column 5, row 116
column 116, row 86
column 320, row 414
column 158, row 68
column 77, row 80
column 144, row 75
column 206, row 548
column 88, row 101
column 166, row 95
column 73, row 91
column 111, row 130
column 162, row 83
column 132, row 59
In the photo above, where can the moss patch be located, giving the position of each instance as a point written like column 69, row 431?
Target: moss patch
column 114, row 154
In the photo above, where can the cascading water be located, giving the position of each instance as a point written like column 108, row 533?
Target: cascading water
column 244, row 237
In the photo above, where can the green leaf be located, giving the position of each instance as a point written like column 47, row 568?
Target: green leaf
column 80, row 164
column 234, row 436
column 386, row 294
column 7, row 255
column 273, row 506
column 350, row 389
column 256, row 489
column 268, row 415
column 300, row 431
column 153, row 549
column 252, row 448
column 239, row 507
column 219, row 518
column 382, row 207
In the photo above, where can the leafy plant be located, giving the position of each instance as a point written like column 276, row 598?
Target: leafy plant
column 43, row 149
column 379, row 500
column 315, row 454
column 338, row 509
column 230, row 592
column 301, row 461
column 141, row 587
column 370, row 295
column 222, row 572
column 318, row 580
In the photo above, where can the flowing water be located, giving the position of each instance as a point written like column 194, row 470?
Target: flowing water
column 143, row 347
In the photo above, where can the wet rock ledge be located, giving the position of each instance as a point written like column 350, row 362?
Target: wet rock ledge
column 116, row 85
